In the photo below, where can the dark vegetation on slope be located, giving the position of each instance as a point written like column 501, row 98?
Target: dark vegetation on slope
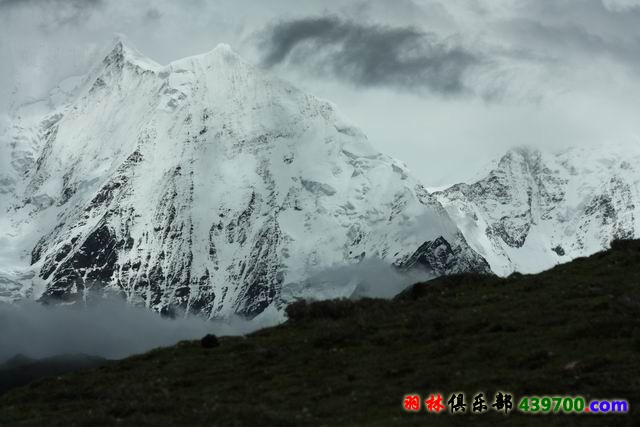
column 21, row 370
column 573, row 330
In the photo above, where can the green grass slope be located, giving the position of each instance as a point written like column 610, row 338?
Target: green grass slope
column 573, row 330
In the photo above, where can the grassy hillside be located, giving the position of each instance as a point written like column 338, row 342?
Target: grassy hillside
column 21, row 370
column 574, row 330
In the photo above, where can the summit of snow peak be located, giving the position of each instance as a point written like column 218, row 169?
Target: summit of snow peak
column 123, row 52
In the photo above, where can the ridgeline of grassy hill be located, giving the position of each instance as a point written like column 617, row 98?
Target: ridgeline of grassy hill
column 573, row 330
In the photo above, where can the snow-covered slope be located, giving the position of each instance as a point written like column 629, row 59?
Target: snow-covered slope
column 535, row 210
column 206, row 185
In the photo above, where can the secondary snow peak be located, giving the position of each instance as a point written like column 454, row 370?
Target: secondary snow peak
column 536, row 209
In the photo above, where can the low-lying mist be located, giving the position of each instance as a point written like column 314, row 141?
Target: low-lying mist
column 370, row 278
column 114, row 329
column 111, row 329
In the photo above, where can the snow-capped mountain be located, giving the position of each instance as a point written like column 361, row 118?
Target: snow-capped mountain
column 207, row 185
column 535, row 210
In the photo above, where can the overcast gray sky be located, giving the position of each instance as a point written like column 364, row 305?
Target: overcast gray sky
column 444, row 85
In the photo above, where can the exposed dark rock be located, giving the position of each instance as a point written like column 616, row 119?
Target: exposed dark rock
column 441, row 258
column 92, row 263
column 261, row 273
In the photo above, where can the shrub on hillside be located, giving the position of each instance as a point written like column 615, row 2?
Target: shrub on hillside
column 332, row 309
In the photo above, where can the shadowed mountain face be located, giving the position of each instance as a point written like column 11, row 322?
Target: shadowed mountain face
column 21, row 370
column 207, row 186
column 572, row 330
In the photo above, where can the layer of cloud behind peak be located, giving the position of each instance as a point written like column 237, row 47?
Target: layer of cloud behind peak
column 556, row 72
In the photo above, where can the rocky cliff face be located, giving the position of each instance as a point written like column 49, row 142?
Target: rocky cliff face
column 208, row 186
column 535, row 210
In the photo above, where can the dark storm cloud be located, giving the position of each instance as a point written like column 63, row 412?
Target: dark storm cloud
column 370, row 55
